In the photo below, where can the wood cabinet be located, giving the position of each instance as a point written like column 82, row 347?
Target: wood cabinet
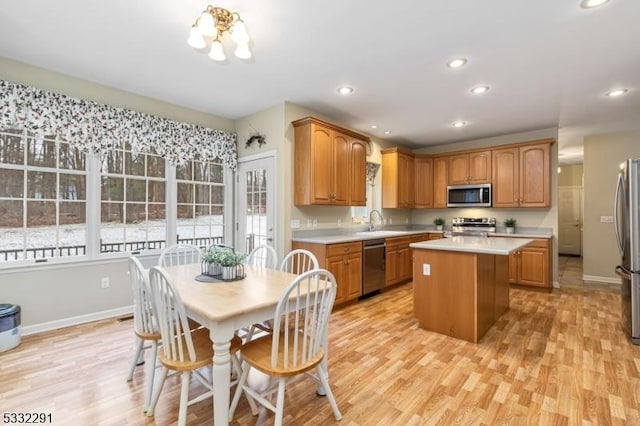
column 329, row 166
column 397, row 179
column 440, row 181
column 463, row 295
column 398, row 260
column 474, row 167
column 531, row 265
column 521, row 175
column 423, row 182
column 345, row 263
column 358, row 170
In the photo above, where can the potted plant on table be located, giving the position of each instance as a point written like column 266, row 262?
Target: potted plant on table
column 510, row 224
column 229, row 261
column 210, row 263
column 439, row 223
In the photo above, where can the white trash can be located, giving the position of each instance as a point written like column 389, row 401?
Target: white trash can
column 9, row 326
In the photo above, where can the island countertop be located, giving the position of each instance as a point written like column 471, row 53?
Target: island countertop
column 485, row 245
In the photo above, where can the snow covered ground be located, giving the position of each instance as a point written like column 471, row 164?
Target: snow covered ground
column 75, row 235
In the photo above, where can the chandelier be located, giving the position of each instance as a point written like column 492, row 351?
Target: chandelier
column 211, row 26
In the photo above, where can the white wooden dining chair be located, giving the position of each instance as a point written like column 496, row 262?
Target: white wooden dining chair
column 180, row 254
column 296, row 262
column 145, row 326
column 299, row 261
column 297, row 344
column 183, row 350
column 263, row 255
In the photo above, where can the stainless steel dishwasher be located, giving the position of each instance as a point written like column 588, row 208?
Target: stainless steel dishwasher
column 373, row 265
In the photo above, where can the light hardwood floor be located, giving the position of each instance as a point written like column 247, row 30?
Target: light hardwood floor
column 558, row 358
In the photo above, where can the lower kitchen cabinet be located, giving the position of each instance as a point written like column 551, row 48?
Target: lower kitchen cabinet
column 531, row 265
column 399, row 260
column 344, row 261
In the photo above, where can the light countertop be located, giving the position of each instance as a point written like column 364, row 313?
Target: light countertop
column 499, row 246
column 359, row 236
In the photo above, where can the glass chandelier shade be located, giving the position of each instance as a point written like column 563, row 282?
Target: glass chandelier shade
column 210, row 28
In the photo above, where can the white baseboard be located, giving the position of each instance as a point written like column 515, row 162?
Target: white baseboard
column 556, row 284
column 597, row 279
column 80, row 319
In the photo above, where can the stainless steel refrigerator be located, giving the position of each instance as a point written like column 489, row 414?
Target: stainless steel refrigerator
column 627, row 226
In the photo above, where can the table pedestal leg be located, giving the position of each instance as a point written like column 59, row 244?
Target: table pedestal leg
column 221, row 382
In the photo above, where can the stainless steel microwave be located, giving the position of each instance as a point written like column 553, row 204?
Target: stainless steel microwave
column 469, row 195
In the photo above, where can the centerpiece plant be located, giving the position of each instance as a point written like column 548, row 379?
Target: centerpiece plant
column 222, row 260
column 210, row 262
column 439, row 223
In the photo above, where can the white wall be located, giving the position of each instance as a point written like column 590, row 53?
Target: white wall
column 602, row 157
column 48, row 294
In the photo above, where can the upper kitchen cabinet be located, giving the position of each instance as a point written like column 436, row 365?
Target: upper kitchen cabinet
column 521, row 175
column 473, row 167
column 397, row 178
column 358, row 166
column 330, row 164
column 440, row 181
column 423, row 182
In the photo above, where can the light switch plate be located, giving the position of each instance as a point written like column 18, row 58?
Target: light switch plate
column 606, row 219
column 426, row 269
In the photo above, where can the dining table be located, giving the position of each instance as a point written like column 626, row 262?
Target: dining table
column 225, row 307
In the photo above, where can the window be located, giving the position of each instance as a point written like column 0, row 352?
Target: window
column 42, row 198
column 44, row 207
column 132, row 207
column 200, row 199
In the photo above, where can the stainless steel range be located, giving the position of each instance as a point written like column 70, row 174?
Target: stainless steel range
column 480, row 226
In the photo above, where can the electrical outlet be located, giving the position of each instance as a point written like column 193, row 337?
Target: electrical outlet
column 295, row 224
column 104, row 282
column 315, row 223
column 339, row 222
column 606, row 219
column 426, row 269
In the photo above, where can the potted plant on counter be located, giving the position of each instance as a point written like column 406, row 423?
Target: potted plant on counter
column 439, row 223
column 510, row 224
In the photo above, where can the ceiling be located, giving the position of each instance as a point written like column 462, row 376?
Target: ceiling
column 548, row 62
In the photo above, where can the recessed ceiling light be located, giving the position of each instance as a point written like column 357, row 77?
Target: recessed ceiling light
column 345, row 90
column 456, row 63
column 387, row 132
column 588, row 4
column 616, row 92
column 459, row 124
column 373, row 126
column 478, row 90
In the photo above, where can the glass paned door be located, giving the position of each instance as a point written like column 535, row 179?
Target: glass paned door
column 255, row 203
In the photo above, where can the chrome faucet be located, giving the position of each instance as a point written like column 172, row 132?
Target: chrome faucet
column 371, row 225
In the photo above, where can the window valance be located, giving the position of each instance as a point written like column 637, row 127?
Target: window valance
column 98, row 128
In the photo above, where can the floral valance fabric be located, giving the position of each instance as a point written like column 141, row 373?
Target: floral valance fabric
column 98, row 128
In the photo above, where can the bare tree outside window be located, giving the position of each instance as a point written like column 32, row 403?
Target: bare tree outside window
column 42, row 198
column 200, row 203
column 133, row 210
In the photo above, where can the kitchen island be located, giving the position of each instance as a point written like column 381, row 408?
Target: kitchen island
column 461, row 284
